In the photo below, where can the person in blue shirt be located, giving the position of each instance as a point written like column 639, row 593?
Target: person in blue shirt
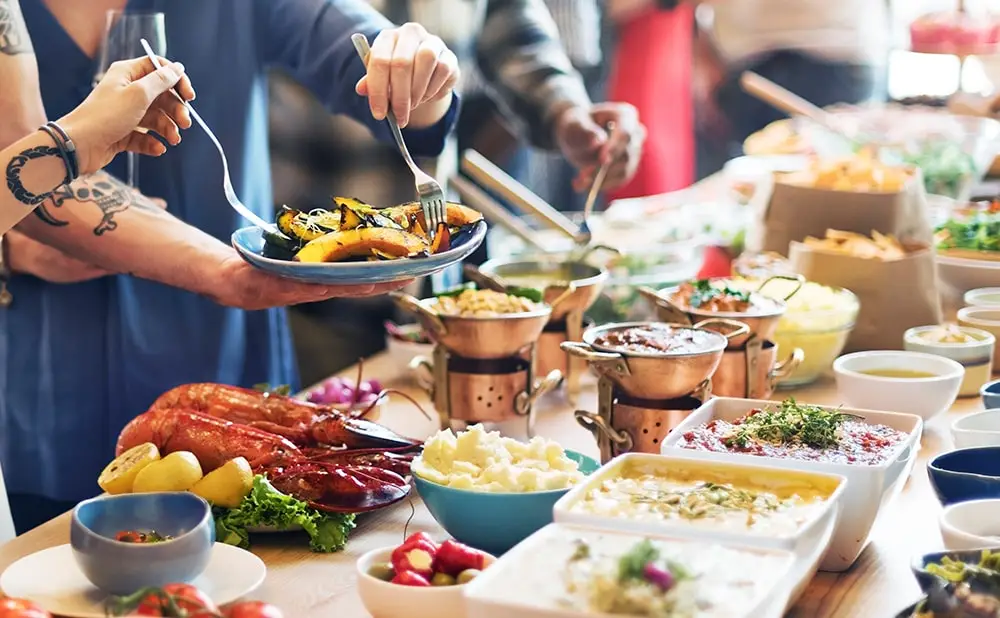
column 78, row 361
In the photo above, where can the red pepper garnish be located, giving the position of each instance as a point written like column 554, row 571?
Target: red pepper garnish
column 409, row 578
column 453, row 558
column 416, row 554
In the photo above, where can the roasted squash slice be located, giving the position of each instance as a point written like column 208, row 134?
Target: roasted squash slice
column 442, row 239
column 457, row 215
column 303, row 226
column 362, row 242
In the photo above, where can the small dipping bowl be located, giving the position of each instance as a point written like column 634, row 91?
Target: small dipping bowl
column 123, row 568
column 383, row 599
column 983, row 297
column 977, row 429
column 490, row 521
column 971, row 525
column 976, row 355
column 924, row 396
column 983, row 318
column 966, row 474
column 990, row 392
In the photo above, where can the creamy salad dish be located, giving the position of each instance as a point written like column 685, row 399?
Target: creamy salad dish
column 702, row 496
column 481, row 460
column 588, row 571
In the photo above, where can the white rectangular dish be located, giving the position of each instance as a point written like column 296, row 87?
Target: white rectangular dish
column 638, row 505
column 869, row 487
column 565, row 571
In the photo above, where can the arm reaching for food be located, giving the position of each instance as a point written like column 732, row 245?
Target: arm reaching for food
column 130, row 101
column 410, row 71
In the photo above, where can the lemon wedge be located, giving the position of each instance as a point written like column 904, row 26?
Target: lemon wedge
column 178, row 471
column 119, row 475
column 227, row 485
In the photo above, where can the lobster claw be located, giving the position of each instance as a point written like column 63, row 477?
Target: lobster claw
column 340, row 489
column 358, row 433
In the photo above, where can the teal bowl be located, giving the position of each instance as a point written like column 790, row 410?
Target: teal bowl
column 494, row 522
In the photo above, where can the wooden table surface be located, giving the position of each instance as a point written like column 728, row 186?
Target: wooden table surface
column 307, row 585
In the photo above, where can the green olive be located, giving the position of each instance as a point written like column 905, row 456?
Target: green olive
column 383, row 571
column 442, row 579
column 468, row 575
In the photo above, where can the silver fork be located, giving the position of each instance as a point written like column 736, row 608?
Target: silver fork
column 227, row 183
column 428, row 190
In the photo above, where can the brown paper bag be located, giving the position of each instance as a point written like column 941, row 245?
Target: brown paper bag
column 895, row 295
column 784, row 213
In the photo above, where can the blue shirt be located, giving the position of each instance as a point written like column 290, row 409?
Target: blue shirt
column 80, row 361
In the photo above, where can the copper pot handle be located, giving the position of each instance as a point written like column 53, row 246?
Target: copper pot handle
column 430, row 320
column 540, row 387
column 739, row 329
column 423, row 371
column 785, row 368
column 595, row 424
column 483, row 280
column 797, row 278
column 603, row 361
column 674, row 312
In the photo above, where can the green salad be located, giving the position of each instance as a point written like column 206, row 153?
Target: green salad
column 947, row 168
column 980, row 231
column 266, row 507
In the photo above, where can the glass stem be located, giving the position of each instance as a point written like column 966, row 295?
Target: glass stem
column 132, row 167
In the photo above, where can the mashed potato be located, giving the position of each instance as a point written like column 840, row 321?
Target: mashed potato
column 482, row 460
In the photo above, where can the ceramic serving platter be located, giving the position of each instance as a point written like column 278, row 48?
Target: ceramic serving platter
column 249, row 242
column 64, row 590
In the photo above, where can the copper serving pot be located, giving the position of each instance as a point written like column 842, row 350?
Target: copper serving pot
column 753, row 372
column 656, row 376
column 477, row 337
column 762, row 319
column 566, row 286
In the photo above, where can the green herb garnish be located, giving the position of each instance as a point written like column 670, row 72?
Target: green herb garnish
column 703, row 293
column 632, row 564
column 581, row 552
column 986, row 572
column 283, row 390
column 792, row 422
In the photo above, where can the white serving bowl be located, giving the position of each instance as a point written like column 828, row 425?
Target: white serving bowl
column 925, row 397
column 983, row 297
column 869, row 488
column 386, row 600
column 527, row 581
column 401, row 353
column 984, row 318
column 971, row 525
column 977, row 429
column 959, row 275
column 802, row 541
column 976, row 356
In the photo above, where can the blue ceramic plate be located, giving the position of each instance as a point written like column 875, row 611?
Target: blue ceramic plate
column 249, row 242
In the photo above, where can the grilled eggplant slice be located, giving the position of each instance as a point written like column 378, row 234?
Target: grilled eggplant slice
column 362, row 242
column 279, row 247
column 457, row 215
column 354, row 214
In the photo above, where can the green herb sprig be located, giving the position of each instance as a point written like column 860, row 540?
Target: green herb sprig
column 704, row 292
column 792, row 423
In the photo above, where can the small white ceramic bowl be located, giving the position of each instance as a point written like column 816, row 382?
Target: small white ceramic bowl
column 984, row 318
column 978, row 429
column 925, row 397
column 971, row 525
column 982, row 297
column 386, row 600
column 976, row 356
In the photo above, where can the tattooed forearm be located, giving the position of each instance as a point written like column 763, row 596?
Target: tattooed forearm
column 109, row 194
column 13, row 33
column 15, row 167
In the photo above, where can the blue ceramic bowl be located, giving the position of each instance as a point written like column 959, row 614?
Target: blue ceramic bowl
column 990, row 392
column 249, row 242
column 493, row 522
column 123, row 568
column 928, row 582
column 966, row 474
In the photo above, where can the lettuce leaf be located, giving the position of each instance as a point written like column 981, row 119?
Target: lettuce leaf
column 265, row 506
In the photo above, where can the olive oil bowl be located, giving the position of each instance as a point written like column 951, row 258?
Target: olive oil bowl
column 901, row 381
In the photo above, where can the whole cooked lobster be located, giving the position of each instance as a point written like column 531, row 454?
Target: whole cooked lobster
column 334, row 461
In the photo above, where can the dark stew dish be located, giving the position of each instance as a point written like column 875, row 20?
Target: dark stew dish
column 135, row 536
column 797, row 431
column 706, row 296
column 970, row 591
column 659, row 339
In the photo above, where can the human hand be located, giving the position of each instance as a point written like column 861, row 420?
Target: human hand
column 238, row 284
column 408, row 69
column 583, row 140
column 131, row 100
column 28, row 256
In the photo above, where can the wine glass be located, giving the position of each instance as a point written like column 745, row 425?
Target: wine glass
column 122, row 33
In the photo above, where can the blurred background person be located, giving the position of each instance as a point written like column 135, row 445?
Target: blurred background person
column 826, row 52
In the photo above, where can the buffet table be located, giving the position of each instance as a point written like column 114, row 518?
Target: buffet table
column 305, row 585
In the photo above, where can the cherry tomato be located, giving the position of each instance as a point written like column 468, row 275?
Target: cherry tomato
column 193, row 602
column 20, row 608
column 251, row 609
